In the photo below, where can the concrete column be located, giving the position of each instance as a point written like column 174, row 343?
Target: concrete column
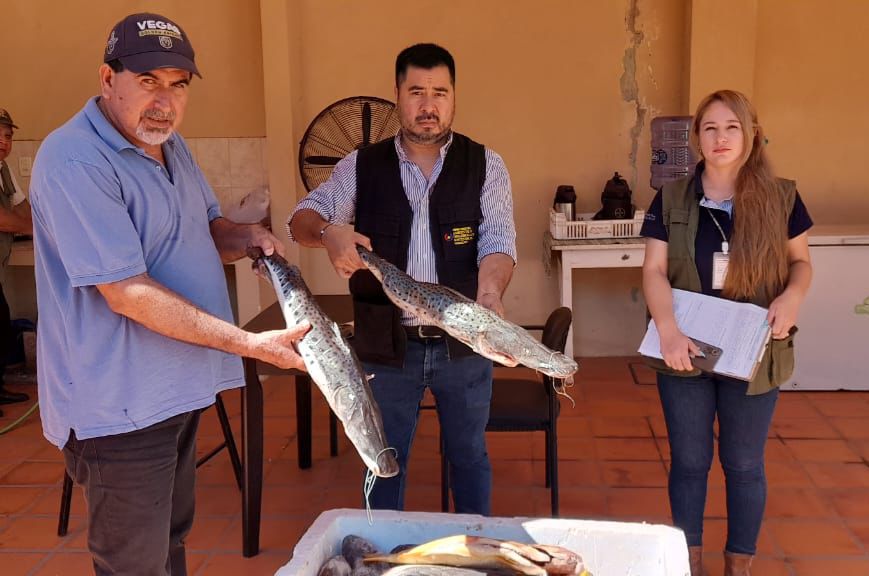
column 281, row 93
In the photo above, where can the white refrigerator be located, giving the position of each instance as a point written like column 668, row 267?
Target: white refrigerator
column 832, row 345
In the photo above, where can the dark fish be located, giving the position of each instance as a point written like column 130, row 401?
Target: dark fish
column 335, row 566
column 354, row 548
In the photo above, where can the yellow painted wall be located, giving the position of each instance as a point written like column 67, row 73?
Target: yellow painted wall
column 810, row 89
column 52, row 50
column 564, row 90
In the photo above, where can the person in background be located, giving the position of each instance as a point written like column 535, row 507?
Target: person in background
column 136, row 335
column 14, row 219
column 732, row 230
column 439, row 206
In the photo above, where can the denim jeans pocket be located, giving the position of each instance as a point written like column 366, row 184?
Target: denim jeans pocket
column 478, row 387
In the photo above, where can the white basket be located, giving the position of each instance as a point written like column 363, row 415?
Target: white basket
column 585, row 227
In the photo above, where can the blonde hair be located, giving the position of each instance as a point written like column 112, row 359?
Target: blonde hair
column 758, row 243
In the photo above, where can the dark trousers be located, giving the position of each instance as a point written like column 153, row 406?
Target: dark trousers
column 139, row 492
column 462, row 388
column 690, row 408
column 5, row 333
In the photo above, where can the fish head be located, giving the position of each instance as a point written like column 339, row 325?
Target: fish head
column 274, row 267
column 517, row 346
column 364, row 427
column 371, row 260
column 499, row 345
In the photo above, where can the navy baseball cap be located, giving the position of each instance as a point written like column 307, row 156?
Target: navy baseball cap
column 6, row 119
column 144, row 42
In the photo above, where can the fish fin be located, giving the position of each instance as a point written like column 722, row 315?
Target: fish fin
column 527, row 551
column 336, row 330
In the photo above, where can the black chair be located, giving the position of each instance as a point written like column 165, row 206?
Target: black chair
column 228, row 443
column 527, row 405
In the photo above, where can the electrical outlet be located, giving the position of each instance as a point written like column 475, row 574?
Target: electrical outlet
column 25, row 164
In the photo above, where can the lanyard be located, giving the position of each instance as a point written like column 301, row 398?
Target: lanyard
column 725, row 245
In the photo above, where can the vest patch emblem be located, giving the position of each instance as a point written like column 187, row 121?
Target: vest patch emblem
column 460, row 236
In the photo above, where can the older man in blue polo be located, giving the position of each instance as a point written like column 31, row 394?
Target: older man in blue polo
column 136, row 334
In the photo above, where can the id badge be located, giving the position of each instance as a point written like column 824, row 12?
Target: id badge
column 720, row 260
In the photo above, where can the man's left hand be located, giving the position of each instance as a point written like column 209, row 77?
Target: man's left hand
column 491, row 301
column 260, row 237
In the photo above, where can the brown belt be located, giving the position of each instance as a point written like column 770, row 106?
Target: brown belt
column 422, row 333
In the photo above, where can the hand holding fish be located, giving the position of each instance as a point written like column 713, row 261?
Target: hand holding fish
column 264, row 240
column 278, row 347
column 340, row 242
column 492, row 301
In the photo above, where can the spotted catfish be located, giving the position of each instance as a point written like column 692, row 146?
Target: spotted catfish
column 332, row 365
column 482, row 330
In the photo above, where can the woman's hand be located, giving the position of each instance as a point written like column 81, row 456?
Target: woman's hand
column 783, row 310
column 783, row 314
column 678, row 350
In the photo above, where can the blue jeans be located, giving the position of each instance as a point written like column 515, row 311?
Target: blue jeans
column 462, row 389
column 690, row 407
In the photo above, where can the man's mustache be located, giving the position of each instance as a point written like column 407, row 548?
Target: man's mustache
column 154, row 114
column 425, row 117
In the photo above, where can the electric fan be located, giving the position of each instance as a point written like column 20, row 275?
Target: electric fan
column 344, row 126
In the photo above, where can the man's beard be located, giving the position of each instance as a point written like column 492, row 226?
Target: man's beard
column 428, row 137
column 155, row 136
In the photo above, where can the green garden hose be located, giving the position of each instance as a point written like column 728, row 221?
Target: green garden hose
column 20, row 420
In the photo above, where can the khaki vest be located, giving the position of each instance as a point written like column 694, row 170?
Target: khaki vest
column 6, row 204
column 681, row 214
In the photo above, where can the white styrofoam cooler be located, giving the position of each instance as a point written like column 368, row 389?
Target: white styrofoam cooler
column 607, row 548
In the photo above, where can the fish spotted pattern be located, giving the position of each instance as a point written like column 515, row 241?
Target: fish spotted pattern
column 482, row 330
column 332, row 365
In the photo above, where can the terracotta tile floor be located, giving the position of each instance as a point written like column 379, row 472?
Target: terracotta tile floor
column 613, row 464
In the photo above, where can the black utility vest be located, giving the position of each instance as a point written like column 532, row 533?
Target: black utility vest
column 383, row 214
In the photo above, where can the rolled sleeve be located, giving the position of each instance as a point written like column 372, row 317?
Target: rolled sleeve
column 497, row 229
column 83, row 208
column 335, row 199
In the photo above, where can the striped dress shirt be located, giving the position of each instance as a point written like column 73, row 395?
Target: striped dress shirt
column 335, row 201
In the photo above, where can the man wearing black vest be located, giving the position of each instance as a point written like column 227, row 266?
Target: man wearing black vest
column 438, row 205
column 14, row 218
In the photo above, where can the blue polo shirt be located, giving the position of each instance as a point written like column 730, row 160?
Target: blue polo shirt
column 104, row 211
column 708, row 240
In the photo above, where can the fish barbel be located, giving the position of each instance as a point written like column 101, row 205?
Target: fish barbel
column 332, row 365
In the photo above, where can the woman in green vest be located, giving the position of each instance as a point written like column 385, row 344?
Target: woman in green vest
column 732, row 230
